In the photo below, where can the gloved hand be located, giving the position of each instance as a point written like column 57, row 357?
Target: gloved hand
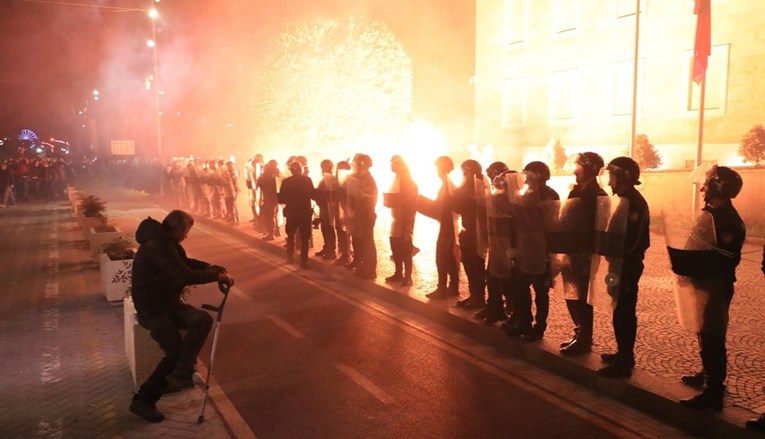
column 225, row 282
column 218, row 268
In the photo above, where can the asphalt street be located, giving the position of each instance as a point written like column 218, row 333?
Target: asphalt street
column 304, row 354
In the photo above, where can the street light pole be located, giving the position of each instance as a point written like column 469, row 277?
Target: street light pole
column 153, row 14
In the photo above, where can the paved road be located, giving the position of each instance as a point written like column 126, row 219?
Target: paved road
column 663, row 348
column 305, row 354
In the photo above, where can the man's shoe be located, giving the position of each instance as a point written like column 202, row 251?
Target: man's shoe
column 615, row 370
column 328, row 256
column 407, row 282
column 756, row 424
column 571, row 340
column 395, row 277
column 704, row 400
column 453, row 291
column 535, row 334
column 494, row 317
column 146, row 410
column 616, row 358
column 517, row 330
column 578, row 347
column 696, row 380
column 480, row 315
column 471, row 302
column 343, row 260
column 320, row 253
column 304, row 264
column 438, row 293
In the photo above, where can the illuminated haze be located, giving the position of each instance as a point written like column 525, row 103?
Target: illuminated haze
column 208, row 53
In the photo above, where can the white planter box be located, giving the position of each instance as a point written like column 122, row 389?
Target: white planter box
column 86, row 223
column 115, row 278
column 98, row 239
column 143, row 353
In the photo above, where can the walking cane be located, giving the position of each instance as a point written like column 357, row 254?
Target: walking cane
column 224, row 288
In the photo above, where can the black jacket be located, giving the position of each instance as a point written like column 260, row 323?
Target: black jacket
column 161, row 270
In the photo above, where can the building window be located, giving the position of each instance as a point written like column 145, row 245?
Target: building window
column 626, row 8
column 565, row 15
column 514, row 102
column 515, row 22
column 716, row 81
column 563, row 92
column 622, row 85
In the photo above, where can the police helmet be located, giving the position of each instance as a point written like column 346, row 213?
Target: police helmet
column 591, row 162
column 471, row 167
column 625, row 169
column 326, row 165
column 363, row 161
column 539, row 168
column 495, row 169
column 722, row 182
column 296, row 168
column 445, row 162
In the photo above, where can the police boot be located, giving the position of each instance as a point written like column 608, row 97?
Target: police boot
column 756, row 424
column 709, row 398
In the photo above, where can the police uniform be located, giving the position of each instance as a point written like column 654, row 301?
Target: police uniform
column 637, row 241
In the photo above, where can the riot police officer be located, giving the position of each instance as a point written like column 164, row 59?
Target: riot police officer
column 722, row 184
column 624, row 174
column 469, row 202
column 581, row 246
column 296, row 194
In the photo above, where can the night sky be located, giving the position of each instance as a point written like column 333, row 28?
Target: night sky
column 55, row 55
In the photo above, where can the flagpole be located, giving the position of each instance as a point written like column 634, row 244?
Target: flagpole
column 635, row 79
column 699, row 139
column 702, row 48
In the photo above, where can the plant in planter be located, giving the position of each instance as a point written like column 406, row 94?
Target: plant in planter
column 116, row 265
column 91, row 212
column 92, row 206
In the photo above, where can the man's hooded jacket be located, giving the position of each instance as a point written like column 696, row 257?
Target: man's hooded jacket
column 161, row 270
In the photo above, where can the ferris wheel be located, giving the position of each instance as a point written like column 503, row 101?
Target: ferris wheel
column 27, row 135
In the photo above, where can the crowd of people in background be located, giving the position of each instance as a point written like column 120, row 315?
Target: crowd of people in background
column 33, row 179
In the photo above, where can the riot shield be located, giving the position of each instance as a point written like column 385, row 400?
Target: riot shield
column 606, row 267
column 697, row 280
column 570, row 240
column 499, row 225
column 528, row 219
column 481, row 192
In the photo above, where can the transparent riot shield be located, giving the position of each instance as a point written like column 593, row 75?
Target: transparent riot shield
column 528, row 219
column 697, row 279
column 606, row 267
column 570, row 239
column 499, row 224
column 481, row 192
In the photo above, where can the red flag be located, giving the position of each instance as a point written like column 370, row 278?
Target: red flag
column 702, row 48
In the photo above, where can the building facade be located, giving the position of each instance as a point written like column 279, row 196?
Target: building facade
column 563, row 69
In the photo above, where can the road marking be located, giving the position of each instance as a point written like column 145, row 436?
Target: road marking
column 424, row 333
column 50, row 365
column 365, row 383
column 228, row 412
column 51, row 428
column 291, row 330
